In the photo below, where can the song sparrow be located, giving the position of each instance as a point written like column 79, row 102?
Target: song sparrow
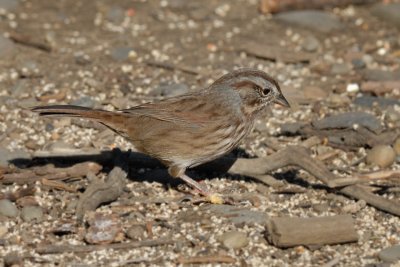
column 191, row 129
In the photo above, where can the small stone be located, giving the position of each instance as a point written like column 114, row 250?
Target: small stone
column 310, row 44
column 392, row 115
column 380, row 75
column 7, row 48
column 396, row 146
column 136, row 232
column 32, row 213
column 311, row 19
column 340, row 68
column 358, row 64
column 7, row 208
column 352, row 88
column 234, row 239
column 115, row 14
column 322, row 207
column 85, row 101
column 13, row 258
column 171, row 90
column 104, row 229
column 390, row 254
column 120, row 53
column 381, row 155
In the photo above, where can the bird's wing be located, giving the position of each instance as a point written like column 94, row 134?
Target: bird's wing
column 187, row 110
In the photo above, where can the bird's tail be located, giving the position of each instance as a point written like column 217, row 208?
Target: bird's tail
column 113, row 120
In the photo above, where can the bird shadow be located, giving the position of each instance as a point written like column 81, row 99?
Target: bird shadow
column 140, row 167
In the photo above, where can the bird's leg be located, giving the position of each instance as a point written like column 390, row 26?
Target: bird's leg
column 178, row 172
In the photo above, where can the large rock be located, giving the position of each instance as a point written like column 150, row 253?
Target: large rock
column 311, row 19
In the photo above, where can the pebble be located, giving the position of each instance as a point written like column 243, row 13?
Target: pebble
column 352, row 88
column 234, row 239
column 7, row 48
column 115, row 14
column 9, row 5
column 170, row 90
column 390, row 254
column 392, row 115
column 7, row 208
column 136, row 232
column 358, row 64
column 388, row 13
column 32, row 213
column 311, row 19
column 381, row 155
column 310, row 44
column 120, row 53
column 396, row 146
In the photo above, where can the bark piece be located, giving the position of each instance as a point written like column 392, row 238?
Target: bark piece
column 101, row 192
column 287, row 232
column 276, row 6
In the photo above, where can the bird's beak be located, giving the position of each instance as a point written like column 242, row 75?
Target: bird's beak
column 281, row 100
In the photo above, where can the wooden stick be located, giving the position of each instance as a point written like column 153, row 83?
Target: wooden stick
column 54, row 249
column 287, row 232
column 206, row 259
column 358, row 192
column 276, row 6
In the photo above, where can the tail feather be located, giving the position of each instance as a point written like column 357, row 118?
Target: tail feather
column 68, row 110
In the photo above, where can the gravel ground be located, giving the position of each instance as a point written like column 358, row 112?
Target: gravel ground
column 117, row 54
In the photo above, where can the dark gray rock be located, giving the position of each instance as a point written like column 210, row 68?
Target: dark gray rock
column 348, row 120
column 390, row 254
column 115, row 14
column 380, row 75
column 9, row 5
column 136, row 232
column 389, row 13
column 171, row 90
column 358, row 64
column 7, row 48
column 7, row 208
column 120, row 53
column 369, row 101
column 311, row 19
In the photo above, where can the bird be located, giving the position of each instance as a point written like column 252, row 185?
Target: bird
column 190, row 129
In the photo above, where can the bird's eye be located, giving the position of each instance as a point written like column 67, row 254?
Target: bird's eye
column 266, row 91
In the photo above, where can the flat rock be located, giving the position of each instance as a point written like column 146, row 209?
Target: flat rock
column 389, row 13
column 369, row 101
column 311, row 19
column 390, row 254
column 348, row 120
column 7, row 208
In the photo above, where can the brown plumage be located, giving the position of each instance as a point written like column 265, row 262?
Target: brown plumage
column 190, row 129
